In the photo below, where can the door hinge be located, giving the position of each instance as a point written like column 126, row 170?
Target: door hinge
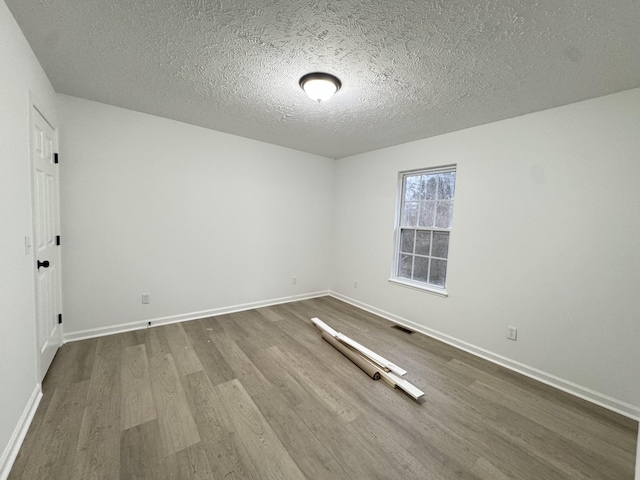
column 55, row 158
column 59, row 318
column 58, row 240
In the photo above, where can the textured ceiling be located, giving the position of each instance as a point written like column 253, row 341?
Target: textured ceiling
column 410, row 69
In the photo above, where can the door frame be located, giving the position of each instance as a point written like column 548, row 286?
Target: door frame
column 35, row 106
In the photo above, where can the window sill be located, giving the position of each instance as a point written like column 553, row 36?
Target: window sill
column 417, row 286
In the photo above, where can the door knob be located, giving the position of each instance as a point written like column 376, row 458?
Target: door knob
column 44, row 264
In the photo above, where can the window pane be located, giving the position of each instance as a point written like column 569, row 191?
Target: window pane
column 412, row 188
column 425, row 220
column 438, row 272
column 429, row 187
column 440, row 244
column 421, row 269
column 404, row 266
column 427, row 214
column 444, row 212
column 423, row 242
column 410, row 214
column 446, row 186
column 406, row 240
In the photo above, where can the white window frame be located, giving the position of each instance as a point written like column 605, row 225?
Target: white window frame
column 395, row 278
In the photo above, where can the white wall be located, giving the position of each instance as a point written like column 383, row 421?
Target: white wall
column 20, row 73
column 546, row 238
column 199, row 219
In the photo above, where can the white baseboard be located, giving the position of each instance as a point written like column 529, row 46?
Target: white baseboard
column 15, row 442
column 154, row 322
column 592, row 396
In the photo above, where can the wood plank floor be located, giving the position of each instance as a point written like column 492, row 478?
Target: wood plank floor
column 260, row 395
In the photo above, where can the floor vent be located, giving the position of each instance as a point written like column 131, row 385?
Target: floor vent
column 403, row 329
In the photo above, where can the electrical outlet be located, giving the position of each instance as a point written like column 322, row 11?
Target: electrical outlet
column 145, row 298
column 294, row 281
column 355, row 284
column 512, row 333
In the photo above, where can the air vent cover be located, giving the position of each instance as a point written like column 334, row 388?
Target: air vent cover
column 403, row 329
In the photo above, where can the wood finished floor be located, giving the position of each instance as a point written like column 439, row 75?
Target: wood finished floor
column 260, row 395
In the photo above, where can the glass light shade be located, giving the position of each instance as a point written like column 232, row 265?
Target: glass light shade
column 320, row 86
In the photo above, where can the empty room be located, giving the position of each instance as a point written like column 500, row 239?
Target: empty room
column 319, row 240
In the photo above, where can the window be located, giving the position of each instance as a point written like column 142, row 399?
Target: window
column 422, row 244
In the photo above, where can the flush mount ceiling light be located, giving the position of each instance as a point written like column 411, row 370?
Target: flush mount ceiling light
column 320, row 86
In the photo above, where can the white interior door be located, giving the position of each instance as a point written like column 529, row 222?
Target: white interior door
column 46, row 224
